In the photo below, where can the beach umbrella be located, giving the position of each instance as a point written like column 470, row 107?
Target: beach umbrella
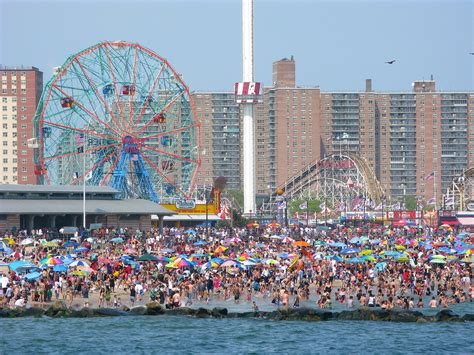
column 199, row 255
column 220, row 249
column 272, row 262
column 27, row 241
column 253, row 225
column 51, row 261
column 355, row 240
column 468, row 260
column 390, row 253
column 131, row 251
column 117, row 240
column 33, row 276
column 447, row 250
column 366, row 252
column 147, row 257
column 337, row 245
column 70, row 244
column 261, row 245
column 59, row 268
column 21, row 265
column 230, row 263
column 200, row 242
column 437, row 261
column 105, row 261
column 167, row 251
column 355, row 261
column 78, row 263
column 287, row 240
column 249, row 262
column 81, row 250
column 375, row 241
column 350, row 251
column 402, row 258
column 301, row 243
column 335, row 257
column 368, row 258
column 190, row 231
column 273, row 225
column 400, row 247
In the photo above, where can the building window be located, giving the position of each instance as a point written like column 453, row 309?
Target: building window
column 24, row 178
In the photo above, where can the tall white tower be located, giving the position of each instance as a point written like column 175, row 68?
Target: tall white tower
column 248, row 93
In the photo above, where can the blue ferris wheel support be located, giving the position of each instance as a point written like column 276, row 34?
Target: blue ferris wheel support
column 130, row 157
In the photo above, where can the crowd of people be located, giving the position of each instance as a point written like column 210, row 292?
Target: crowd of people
column 376, row 266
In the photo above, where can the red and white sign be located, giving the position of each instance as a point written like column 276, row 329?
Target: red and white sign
column 248, row 92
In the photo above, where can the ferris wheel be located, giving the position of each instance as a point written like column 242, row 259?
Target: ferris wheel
column 118, row 114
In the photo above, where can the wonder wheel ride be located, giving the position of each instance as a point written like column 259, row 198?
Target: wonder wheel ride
column 118, row 114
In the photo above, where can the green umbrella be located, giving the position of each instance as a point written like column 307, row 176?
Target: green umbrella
column 147, row 257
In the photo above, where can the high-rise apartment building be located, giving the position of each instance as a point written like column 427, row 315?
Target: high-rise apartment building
column 219, row 116
column 404, row 137
column 21, row 91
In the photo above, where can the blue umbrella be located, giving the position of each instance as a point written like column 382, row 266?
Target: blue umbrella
column 335, row 257
column 33, row 276
column 391, row 253
column 375, row 241
column 337, row 245
column 355, row 240
column 201, row 242
column 117, row 240
column 59, row 268
column 81, row 249
column 70, row 244
column 198, row 255
column 350, row 251
column 190, row 231
column 355, row 261
column 21, row 265
column 167, row 251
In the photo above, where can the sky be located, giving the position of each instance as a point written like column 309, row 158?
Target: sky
column 336, row 44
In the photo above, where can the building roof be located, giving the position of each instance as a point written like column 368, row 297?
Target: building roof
column 188, row 217
column 16, row 188
column 103, row 207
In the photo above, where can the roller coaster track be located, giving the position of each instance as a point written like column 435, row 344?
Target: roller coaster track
column 307, row 177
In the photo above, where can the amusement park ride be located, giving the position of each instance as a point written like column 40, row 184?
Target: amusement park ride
column 118, row 114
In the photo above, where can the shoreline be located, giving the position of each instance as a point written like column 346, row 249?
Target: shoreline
column 60, row 310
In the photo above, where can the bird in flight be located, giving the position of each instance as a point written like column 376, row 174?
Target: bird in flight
column 391, row 61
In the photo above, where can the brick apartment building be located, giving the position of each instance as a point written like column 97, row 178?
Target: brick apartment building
column 21, row 91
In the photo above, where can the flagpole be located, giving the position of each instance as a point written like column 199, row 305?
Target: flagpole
column 307, row 213
column 435, row 192
column 84, row 187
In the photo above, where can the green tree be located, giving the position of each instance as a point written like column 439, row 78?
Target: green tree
column 235, row 196
column 410, row 203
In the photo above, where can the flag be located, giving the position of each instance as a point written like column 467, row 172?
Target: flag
column 304, row 206
column 396, row 206
column 431, row 201
column 449, row 201
column 80, row 138
column 430, row 176
column 282, row 205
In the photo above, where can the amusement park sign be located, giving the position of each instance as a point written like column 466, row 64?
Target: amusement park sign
column 185, row 204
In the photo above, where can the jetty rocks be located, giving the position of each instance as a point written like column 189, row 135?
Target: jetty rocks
column 61, row 310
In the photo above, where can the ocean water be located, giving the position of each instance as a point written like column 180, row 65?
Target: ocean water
column 179, row 334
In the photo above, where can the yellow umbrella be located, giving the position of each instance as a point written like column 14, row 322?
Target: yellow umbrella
column 400, row 247
column 366, row 252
